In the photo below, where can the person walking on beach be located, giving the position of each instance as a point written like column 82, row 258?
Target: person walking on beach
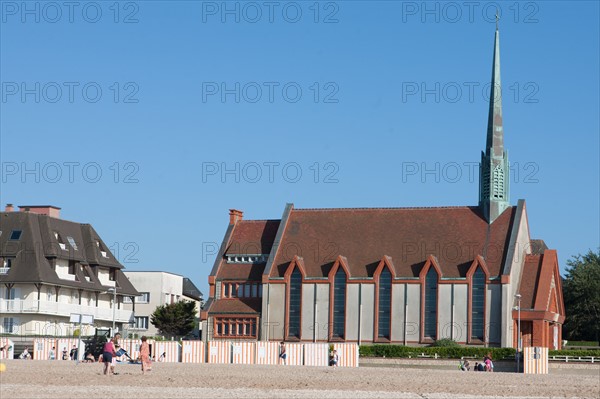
column 282, row 353
column 52, row 353
column 108, row 353
column 145, row 355
column 73, row 353
column 334, row 359
column 117, row 346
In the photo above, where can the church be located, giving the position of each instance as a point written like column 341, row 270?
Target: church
column 407, row 276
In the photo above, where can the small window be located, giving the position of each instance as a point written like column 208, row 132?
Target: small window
column 141, row 322
column 72, row 242
column 86, row 274
column 225, row 290
column 144, row 297
column 15, row 235
column 10, row 325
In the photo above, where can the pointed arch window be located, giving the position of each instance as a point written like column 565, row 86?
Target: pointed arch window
column 431, row 299
column 485, row 181
column 498, row 182
column 385, row 304
column 339, row 304
column 294, row 315
column 478, row 304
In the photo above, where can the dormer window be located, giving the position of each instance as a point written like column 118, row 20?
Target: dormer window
column 72, row 242
column 102, row 250
column 60, row 241
column 257, row 258
column 86, row 274
column 15, row 235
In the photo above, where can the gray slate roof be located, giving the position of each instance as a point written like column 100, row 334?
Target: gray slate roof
column 189, row 289
column 33, row 253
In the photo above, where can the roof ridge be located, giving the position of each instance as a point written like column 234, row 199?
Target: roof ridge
column 260, row 220
column 389, row 208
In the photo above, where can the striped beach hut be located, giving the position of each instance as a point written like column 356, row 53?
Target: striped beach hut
column 243, row 352
column 9, row 353
column 166, row 351
column 267, row 352
column 295, row 354
column 348, row 354
column 316, row 354
column 192, row 352
column 67, row 344
column 219, row 352
column 42, row 347
column 535, row 360
column 132, row 347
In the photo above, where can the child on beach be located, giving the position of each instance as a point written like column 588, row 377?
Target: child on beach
column 282, row 353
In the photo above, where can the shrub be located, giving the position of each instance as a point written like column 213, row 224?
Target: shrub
column 400, row 351
column 582, row 343
column 445, row 343
column 571, row 352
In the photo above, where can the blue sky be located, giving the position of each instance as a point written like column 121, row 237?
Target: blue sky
column 151, row 119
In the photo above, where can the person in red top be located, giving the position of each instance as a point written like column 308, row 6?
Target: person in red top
column 107, row 355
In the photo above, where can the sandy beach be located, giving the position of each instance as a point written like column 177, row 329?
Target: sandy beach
column 58, row 379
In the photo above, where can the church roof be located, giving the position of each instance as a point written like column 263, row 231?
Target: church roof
column 252, row 237
column 454, row 235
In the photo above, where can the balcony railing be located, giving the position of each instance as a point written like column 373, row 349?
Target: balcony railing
column 4, row 270
column 62, row 309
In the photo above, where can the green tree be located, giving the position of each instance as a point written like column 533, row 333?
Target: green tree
column 581, row 290
column 175, row 319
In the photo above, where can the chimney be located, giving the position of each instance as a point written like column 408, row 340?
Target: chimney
column 235, row 216
column 48, row 210
column 9, row 208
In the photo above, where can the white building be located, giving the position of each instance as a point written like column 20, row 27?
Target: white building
column 52, row 268
column 157, row 289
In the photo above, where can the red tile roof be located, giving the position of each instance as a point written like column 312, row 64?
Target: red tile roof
column 252, row 237
column 238, row 271
column 529, row 280
column 236, row 306
column 454, row 235
column 536, row 283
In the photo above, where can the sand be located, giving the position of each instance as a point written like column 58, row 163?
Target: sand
column 65, row 379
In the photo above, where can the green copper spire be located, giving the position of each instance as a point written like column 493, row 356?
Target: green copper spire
column 494, row 168
column 495, row 132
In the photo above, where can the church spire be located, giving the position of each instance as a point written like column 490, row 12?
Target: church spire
column 494, row 169
column 494, row 130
